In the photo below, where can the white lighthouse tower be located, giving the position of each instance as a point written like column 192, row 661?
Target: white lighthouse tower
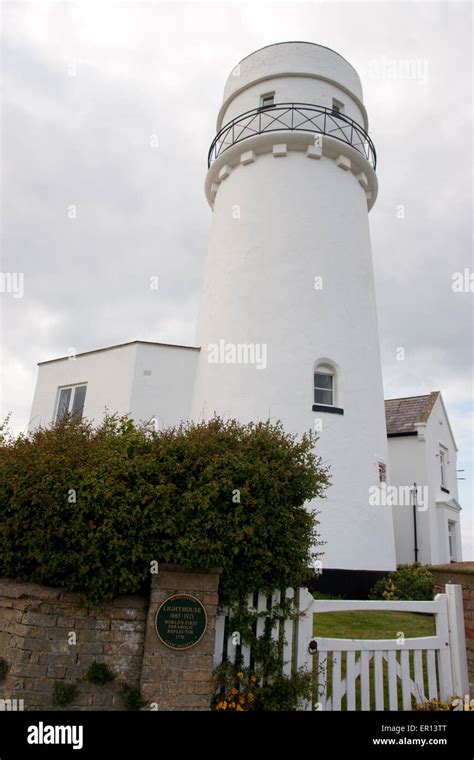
column 288, row 323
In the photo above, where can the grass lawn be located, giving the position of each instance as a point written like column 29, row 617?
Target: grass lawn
column 372, row 625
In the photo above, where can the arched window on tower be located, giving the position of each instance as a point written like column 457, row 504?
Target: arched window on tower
column 325, row 388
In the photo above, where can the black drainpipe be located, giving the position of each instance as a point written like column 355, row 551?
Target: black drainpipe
column 414, row 521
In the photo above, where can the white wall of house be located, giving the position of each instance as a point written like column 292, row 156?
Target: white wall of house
column 443, row 500
column 407, row 465
column 143, row 380
column 108, row 374
column 417, row 459
column 163, row 381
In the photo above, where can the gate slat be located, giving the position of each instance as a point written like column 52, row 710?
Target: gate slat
column 419, row 684
column 378, row 677
column 323, row 679
column 219, row 640
column 405, row 668
column 336, row 681
column 276, row 626
column 350, row 680
column 288, row 635
column 392, row 680
column 364, row 681
column 245, row 647
column 431, row 666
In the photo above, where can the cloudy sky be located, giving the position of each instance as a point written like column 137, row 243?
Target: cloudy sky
column 89, row 89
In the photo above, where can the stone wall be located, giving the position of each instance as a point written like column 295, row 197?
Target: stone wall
column 47, row 637
column 463, row 574
column 38, row 626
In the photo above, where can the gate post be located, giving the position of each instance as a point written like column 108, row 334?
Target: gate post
column 457, row 639
column 177, row 663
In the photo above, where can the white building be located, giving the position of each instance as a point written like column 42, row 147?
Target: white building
column 288, row 326
column 422, row 453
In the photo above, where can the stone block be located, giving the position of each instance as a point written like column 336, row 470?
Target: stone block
column 247, row 158
column 343, row 163
column 279, row 150
column 314, row 151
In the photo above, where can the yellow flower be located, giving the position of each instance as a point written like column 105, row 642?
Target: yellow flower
column 234, row 692
column 224, row 706
column 253, row 679
column 240, row 675
column 239, row 708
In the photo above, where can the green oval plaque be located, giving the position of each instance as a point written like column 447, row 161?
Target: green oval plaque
column 181, row 621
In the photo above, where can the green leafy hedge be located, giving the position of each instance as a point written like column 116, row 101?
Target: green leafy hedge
column 408, row 582
column 90, row 509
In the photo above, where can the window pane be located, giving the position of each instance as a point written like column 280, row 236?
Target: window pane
column 79, row 398
column 322, row 380
column 63, row 404
column 322, row 396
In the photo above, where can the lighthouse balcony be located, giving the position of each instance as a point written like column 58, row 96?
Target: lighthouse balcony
column 293, row 117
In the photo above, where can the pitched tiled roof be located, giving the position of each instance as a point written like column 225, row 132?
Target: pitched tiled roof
column 401, row 414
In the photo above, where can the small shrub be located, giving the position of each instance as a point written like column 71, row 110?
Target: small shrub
column 408, row 582
column 132, row 698
column 243, row 691
column 99, row 673
column 434, row 705
column 64, row 693
column 3, row 669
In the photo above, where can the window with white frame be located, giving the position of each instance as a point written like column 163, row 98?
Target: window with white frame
column 452, row 540
column 337, row 106
column 71, row 400
column 382, row 472
column 324, row 385
column 443, row 461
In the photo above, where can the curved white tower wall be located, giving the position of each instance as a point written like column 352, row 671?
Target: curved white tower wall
column 289, row 282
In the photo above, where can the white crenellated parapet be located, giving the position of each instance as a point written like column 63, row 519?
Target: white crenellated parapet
column 341, row 153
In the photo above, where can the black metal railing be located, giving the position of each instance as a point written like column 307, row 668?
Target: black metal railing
column 295, row 117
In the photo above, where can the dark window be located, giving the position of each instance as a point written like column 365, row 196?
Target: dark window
column 71, row 400
column 267, row 101
column 323, row 388
column 79, row 399
column 63, row 403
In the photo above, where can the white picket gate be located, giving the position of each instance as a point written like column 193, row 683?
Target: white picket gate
column 364, row 674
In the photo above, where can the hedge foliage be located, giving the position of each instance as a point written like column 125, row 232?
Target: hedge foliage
column 408, row 582
column 90, row 509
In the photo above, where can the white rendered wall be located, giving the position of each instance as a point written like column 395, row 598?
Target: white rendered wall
column 293, row 90
column 438, row 432
column 299, row 218
column 407, row 460
column 270, row 68
column 166, row 393
column 108, row 375
column 416, row 459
